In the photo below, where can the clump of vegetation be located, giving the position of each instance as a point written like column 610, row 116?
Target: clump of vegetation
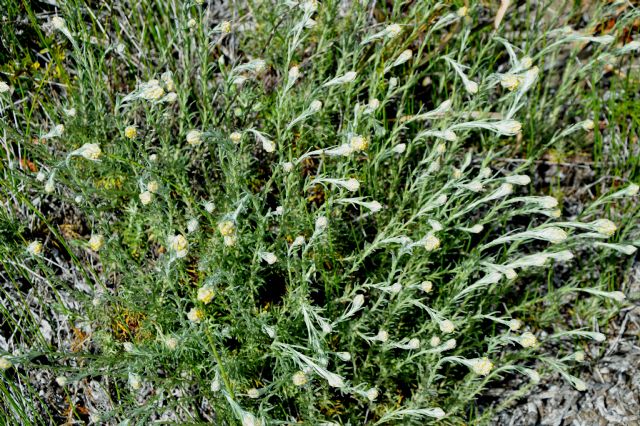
column 301, row 213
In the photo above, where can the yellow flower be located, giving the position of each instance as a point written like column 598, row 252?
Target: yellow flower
column 230, row 240
column 130, row 132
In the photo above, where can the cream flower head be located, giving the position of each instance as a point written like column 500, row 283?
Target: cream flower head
column 195, row 315
column 34, row 248
column 96, row 242
column 205, row 294
column 179, row 244
column 194, row 137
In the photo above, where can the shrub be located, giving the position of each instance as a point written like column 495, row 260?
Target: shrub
column 295, row 222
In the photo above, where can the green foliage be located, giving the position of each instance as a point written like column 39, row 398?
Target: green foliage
column 320, row 217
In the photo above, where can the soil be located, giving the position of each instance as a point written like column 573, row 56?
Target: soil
column 613, row 381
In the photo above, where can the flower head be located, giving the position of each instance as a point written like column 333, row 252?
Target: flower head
column 392, row 31
column 358, row 143
column 299, row 378
column 604, row 227
column 481, row 366
column 528, row 340
column 382, row 336
column 205, row 294
column 178, row 243
column 588, row 125
column 195, row 315
column 372, row 394
column 227, row 228
column 135, row 381
column 130, row 132
column 90, row 151
column 431, row 242
column 145, row 197
column 5, row 363
column 34, row 248
column 268, row 257
column 194, row 137
column 294, row 73
column 632, row 190
column 515, row 324
column 152, row 91
column 400, row 148
column 96, row 242
column 447, row 326
column 343, row 79
column 315, row 106
column 414, row 343
column 171, row 343
column 58, row 23
column 518, row 180
column 235, row 137
column 580, row 385
column 510, row 81
column 471, row 87
column 402, row 58
column 552, row 234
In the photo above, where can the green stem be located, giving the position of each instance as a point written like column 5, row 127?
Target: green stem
column 223, row 373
